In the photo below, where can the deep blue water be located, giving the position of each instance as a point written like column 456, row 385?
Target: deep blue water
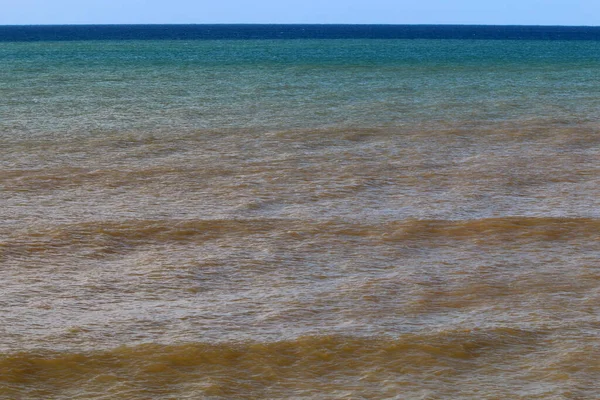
column 247, row 32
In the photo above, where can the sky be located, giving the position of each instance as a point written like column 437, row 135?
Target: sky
column 488, row 12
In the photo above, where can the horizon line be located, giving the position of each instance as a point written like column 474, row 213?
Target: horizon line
column 297, row 24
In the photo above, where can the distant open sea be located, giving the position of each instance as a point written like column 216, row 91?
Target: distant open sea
column 299, row 212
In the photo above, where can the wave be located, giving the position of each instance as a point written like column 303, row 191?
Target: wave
column 556, row 129
column 115, row 236
column 304, row 365
column 498, row 229
column 36, row 180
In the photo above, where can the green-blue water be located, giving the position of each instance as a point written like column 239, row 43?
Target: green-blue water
column 157, row 85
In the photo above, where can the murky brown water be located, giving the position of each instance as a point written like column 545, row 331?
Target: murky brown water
column 448, row 261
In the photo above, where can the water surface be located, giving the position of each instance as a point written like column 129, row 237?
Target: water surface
column 254, row 217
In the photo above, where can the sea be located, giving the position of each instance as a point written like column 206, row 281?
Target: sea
column 299, row 212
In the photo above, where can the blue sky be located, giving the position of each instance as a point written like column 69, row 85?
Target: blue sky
column 521, row 12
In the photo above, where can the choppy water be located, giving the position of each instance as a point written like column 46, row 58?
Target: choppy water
column 301, row 218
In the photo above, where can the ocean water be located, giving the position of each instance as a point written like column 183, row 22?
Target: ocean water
column 299, row 212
